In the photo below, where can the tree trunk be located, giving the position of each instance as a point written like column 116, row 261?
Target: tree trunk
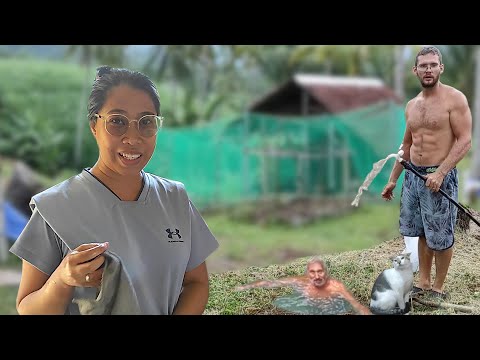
column 472, row 184
column 81, row 119
column 475, row 167
column 399, row 71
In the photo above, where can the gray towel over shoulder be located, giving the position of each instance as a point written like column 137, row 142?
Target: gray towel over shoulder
column 116, row 296
column 58, row 208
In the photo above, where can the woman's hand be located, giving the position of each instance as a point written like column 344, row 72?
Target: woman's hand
column 82, row 267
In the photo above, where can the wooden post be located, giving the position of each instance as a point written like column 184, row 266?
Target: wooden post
column 307, row 158
column 218, row 171
column 300, row 173
column 246, row 155
column 265, row 161
column 346, row 170
column 304, row 106
column 331, row 157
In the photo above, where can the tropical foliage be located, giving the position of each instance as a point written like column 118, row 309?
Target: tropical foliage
column 43, row 103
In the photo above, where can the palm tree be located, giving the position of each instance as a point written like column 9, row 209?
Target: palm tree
column 273, row 61
column 202, row 77
column 332, row 59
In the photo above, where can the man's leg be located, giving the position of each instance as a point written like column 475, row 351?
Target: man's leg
column 442, row 263
column 445, row 232
column 411, row 224
column 425, row 259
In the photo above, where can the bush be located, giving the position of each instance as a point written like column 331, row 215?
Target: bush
column 39, row 108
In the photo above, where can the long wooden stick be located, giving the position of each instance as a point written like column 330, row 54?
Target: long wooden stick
column 445, row 305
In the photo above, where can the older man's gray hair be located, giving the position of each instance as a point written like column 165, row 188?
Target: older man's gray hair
column 317, row 260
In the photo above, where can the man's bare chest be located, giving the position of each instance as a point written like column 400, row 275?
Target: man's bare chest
column 433, row 116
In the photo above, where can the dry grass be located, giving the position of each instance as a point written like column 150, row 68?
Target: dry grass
column 358, row 271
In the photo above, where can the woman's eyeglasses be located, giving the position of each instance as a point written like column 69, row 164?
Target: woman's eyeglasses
column 118, row 124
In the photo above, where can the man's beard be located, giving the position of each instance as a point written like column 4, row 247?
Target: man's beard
column 319, row 282
column 429, row 85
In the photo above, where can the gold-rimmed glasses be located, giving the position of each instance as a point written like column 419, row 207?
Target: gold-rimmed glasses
column 118, row 124
column 424, row 67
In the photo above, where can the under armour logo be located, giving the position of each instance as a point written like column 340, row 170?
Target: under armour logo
column 171, row 233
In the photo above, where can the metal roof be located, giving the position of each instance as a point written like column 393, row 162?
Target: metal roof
column 325, row 94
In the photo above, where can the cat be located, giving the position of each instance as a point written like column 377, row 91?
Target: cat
column 392, row 288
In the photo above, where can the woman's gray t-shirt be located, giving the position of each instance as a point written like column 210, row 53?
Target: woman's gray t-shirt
column 159, row 236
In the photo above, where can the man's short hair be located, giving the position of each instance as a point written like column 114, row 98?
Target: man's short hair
column 429, row 50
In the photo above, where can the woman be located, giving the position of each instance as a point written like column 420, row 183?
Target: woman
column 147, row 221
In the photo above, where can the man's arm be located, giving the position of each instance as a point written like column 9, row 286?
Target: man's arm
column 387, row 192
column 407, row 144
column 461, row 124
column 361, row 309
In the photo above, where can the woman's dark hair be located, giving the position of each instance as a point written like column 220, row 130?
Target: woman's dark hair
column 108, row 78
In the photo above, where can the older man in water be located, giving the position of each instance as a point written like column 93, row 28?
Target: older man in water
column 315, row 284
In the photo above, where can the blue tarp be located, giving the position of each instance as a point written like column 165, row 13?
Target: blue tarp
column 15, row 221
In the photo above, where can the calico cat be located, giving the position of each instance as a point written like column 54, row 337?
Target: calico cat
column 391, row 290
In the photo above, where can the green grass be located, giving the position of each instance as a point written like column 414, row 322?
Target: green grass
column 253, row 246
column 248, row 245
column 463, row 167
column 12, row 262
column 8, row 295
column 357, row 270
column 244, row 243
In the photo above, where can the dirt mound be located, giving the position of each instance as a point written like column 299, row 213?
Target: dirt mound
column 463, row 279
column 290, row 211
column 357, row 270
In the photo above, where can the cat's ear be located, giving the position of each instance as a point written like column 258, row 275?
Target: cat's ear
column 392, row 257
column 407, row 255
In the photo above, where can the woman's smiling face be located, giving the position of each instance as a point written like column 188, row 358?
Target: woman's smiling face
column 129, row 153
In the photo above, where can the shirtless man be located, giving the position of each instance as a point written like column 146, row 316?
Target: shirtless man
column 315, row 284
column 437, row 136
